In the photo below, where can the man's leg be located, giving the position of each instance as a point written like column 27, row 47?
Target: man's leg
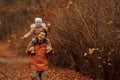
column 35, row 75
column 44, row 75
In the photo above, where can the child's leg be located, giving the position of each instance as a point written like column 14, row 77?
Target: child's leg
column 33, row 42
column 49, row 46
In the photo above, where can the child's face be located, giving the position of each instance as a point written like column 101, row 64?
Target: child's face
column 41, row 36
column 38, row 23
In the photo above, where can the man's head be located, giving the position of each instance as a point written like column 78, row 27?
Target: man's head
column 38, row 21
column 42, row 36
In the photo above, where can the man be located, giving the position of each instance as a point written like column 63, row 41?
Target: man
column 39, row 60
column 36, row 28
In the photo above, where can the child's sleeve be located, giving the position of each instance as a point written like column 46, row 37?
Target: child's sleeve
column 30, row 32
column 44, row 26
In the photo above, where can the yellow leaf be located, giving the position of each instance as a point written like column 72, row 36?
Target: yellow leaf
column 109, row 64
column 111, row 51
column 85, row 54
column 104, row 62
column 91, row 50
column 99, row 57
column 99, row 66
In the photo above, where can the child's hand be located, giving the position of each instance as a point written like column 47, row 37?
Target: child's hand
column 48, row 24
column 22, row 38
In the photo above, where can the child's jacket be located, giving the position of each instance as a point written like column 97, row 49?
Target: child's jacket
column 35, row 30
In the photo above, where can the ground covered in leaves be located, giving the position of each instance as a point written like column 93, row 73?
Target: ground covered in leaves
column 18, row 69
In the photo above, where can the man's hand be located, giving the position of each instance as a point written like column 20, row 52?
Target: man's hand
column 31, row 49
column 49, row 49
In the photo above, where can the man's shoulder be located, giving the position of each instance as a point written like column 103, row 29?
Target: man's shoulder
column 47, row 39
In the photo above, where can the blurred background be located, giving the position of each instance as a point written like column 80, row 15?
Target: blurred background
column 85, row 34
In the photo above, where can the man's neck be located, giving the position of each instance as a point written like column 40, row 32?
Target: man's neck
column 41, row 41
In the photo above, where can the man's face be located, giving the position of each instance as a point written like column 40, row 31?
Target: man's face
column 41, row 36
column 38, row 23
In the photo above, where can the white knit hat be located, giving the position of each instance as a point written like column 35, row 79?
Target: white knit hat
column 38, row 19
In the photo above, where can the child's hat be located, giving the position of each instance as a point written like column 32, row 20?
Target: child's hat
column 38, row 19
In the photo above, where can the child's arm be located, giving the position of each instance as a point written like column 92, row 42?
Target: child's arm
column 45, row 26
column 30, row 32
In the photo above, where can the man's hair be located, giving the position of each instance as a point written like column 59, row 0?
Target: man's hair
column 44, row 31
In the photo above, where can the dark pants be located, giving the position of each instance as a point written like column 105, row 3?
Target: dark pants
column 39, row 75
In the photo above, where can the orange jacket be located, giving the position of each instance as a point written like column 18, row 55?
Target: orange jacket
column 39, row 60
